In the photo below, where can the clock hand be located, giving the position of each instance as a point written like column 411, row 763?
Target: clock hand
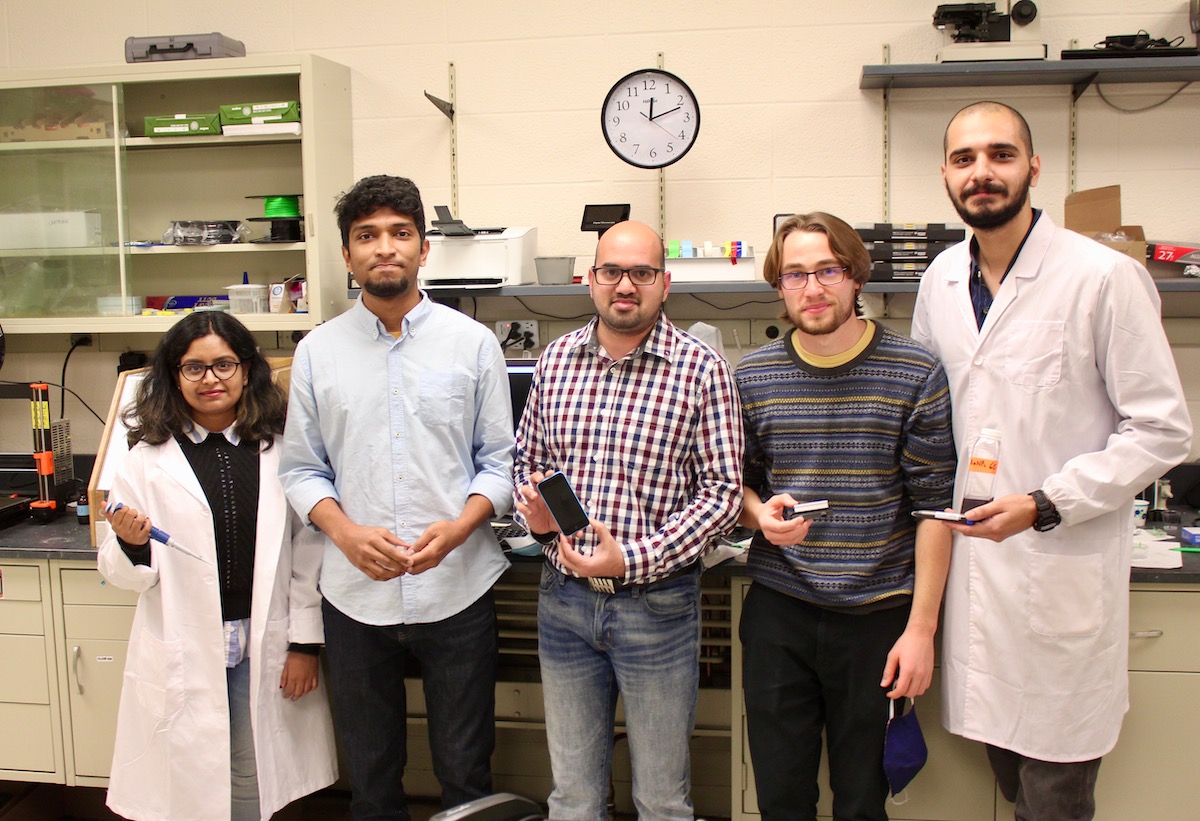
column 651, row 117
column 665, row 113
column 658, row 125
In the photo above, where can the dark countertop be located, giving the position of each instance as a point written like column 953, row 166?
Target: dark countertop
column 64, row 538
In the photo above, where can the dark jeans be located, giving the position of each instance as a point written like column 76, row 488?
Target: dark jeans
column 805, row 669
column 1046, row 790
column 366, row 682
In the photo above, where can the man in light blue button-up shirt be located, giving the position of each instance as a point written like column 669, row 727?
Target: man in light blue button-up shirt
column 399, row 449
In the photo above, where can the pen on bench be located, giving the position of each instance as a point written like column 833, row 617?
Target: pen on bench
column 161, row 536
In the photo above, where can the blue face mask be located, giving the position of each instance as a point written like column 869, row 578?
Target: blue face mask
column 904, row 751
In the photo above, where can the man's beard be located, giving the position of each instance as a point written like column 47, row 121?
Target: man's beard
column 387, row 288
column 1003, row 215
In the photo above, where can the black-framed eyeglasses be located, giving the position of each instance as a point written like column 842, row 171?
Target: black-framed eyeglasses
column 194, row 371
column 611, row 275
column 798, row 280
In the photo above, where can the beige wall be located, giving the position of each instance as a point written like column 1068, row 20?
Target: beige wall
column 785, row 126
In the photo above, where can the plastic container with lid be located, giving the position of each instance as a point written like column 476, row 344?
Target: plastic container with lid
column 247, row 299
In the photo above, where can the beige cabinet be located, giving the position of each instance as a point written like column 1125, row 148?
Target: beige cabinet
column 116, row 191
column 30, row 724
column 1150, row 774
column 96, row 619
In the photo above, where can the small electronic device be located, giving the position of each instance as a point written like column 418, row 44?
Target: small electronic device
column 943, row 516
column 809, row 510
column 563, row 504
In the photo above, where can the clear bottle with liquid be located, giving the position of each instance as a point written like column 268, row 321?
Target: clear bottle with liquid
column 981, row 470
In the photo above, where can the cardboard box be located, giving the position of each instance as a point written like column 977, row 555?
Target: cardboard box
column 1189, row 535
column 50, row 229
column 283, row 111
column 1098, row 211
column 183, row 125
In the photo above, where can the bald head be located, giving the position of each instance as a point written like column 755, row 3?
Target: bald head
column 630, row 239
column 990, row 107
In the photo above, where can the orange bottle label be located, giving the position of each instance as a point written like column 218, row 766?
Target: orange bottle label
column 980, row 465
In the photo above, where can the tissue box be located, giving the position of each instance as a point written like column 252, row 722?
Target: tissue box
column 1189, row 535
column 1098, row 211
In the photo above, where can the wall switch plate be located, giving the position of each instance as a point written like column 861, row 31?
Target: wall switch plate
column 517, row 335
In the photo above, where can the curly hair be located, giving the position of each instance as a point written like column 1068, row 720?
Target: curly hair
column 159, row 410
column 381, row 191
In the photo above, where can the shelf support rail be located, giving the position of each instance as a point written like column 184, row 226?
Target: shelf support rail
column 447, row 108
column 662, row 184
column 887, row 141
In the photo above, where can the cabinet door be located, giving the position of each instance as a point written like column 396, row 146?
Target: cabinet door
column 95, row 669
column 1152, row 771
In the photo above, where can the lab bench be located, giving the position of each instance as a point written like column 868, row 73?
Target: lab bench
column 63, row 632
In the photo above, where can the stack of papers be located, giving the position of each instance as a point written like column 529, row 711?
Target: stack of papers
column 1155, row 549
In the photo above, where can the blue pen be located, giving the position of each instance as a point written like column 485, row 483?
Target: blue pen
column 162, row 537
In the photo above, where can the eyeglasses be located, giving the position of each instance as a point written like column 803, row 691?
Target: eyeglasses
column 194, row 371
column 611, row 275
column 798, row 280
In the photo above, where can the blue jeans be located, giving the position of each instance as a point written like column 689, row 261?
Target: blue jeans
column 643, row 643
column 242, row 767
column 458, row 658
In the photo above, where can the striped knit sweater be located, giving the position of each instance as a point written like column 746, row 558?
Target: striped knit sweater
column 873, row 437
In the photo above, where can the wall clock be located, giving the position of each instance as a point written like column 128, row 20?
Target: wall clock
column 650, row 118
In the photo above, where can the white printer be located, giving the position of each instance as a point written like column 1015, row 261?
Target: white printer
column 488, row 258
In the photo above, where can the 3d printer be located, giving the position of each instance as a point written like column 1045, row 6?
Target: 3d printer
column 982, row 33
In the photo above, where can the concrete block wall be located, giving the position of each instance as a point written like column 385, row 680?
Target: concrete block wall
column 784, row 125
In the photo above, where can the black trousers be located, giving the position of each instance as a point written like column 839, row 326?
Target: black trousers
column 807, row 669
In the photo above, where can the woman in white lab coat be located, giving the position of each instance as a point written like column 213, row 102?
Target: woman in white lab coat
column 222, row 714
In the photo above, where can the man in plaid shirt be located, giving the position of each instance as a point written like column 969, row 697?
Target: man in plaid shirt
column 644, row 421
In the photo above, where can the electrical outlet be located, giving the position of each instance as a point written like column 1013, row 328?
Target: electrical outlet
column 763, row 331
column 517, row 335
column 82, row 340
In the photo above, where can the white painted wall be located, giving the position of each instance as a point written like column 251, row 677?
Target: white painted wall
column 784, row 128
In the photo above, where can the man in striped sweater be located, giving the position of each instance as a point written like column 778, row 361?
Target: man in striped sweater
column 843, row 609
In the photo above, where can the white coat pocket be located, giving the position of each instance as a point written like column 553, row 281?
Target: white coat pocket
column 1066, row 595
column 1034, row 356
column 157, row 673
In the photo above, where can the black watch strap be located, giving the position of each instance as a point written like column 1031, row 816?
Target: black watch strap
column 1047, row 514
column 545, row 538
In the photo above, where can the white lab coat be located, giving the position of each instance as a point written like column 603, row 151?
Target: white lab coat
column 1073, row 367
column 172, row 749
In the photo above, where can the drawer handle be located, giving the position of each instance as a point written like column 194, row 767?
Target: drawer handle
column 75, row 654
column 1145, row 634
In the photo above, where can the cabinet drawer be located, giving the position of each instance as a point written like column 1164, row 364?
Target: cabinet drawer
column 89, row 587
column 1162, row 634
column 27, row 740
column 21, row 617
column 87, row 621
column 21, row 583
column 25, row 677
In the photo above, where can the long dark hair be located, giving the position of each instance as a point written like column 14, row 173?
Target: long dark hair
column 159, row 410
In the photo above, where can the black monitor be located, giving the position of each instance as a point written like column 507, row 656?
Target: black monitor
column 520, row 379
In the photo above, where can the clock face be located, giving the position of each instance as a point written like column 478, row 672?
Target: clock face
column 650, row 118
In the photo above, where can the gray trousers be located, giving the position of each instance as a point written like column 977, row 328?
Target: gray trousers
column 1046, row 790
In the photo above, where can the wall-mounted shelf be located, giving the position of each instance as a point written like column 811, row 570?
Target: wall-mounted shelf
column 1079, row 74
column 755, row 287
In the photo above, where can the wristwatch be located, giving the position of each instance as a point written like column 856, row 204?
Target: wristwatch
column 1047, row 513
column 545, row 538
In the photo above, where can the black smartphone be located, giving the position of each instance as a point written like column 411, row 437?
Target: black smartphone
column 809, row 510
column 943, row 515
column 563, row 504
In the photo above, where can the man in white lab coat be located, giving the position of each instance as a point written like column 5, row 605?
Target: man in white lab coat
column 1056, row 341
